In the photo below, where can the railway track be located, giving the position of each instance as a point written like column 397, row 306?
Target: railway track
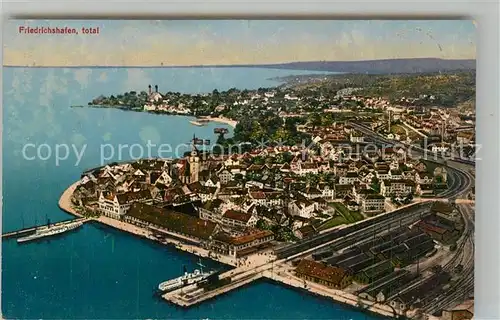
column 356, row 233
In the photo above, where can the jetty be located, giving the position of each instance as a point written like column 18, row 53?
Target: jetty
column 29, row 230
column 194, row 294
column 278, row 271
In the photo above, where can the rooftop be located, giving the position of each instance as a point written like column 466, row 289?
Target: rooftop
column 171, row 220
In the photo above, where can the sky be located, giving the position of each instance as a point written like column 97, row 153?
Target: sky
column 226, row 42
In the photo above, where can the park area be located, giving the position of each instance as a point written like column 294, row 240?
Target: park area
column 342, row 216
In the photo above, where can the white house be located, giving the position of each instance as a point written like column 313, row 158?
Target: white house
column 225, row 176
column 423, row 178
column 116, row 205
column 349, row 178
column 164, row 179
column 327, row 192
column 373, row 203
column 440, row 148
column 235, row 218
column 302, row 208
column 396, row 188
column 395, row 175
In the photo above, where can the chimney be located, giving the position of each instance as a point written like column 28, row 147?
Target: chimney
column 149, row 89
column 156, row 88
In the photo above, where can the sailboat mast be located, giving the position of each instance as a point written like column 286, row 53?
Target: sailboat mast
column 201, row 265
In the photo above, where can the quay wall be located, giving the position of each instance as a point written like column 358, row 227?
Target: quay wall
column 65, row 205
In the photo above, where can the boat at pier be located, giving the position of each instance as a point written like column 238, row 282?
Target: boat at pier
column 187, row 279
column 50, row 231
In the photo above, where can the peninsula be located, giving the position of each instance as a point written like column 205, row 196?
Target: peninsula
column 354, row 215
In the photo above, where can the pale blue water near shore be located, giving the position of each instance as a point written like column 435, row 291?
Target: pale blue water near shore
column 97, row 272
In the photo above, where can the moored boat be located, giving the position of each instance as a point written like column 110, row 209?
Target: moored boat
column 50, row 231
column 186, row 279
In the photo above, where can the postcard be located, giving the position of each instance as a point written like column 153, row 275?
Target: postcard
column 238, row 169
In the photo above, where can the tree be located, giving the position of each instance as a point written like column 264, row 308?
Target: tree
column 315, row 119
column 262, row 224
column 258, row 160
column 375, row 184
column 281, row 135
column 439, row 179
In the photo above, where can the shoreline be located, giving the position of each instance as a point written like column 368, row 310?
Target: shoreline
column 223, row 120
column 66, row 206
column 65, row 200
column 340, row 297
column 229, row 122
column 291, row 281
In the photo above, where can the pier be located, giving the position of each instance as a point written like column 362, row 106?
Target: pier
column 26, row 231
column 278, row 271
column 191, row 295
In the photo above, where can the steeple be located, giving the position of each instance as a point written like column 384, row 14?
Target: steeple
column 194, row 161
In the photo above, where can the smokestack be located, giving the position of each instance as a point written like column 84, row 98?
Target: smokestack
column 149, row 89
column 156, row 88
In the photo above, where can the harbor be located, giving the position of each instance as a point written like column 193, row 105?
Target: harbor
column 278, row 271
column 246, row 270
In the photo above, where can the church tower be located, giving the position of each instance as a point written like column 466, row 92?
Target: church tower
column 194, row 162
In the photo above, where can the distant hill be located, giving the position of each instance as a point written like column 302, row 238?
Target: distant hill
column 386, row 66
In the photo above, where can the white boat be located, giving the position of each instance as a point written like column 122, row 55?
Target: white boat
column 50, row 231
column 188, row 278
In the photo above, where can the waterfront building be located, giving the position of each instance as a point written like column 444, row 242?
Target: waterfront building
column 241, row 245
column 116, row 205
column 321, row 273
column 176, row 224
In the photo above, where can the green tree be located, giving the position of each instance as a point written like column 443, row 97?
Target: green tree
column 262, row 224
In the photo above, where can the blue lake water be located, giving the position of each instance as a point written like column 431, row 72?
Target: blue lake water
column 96, row 272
